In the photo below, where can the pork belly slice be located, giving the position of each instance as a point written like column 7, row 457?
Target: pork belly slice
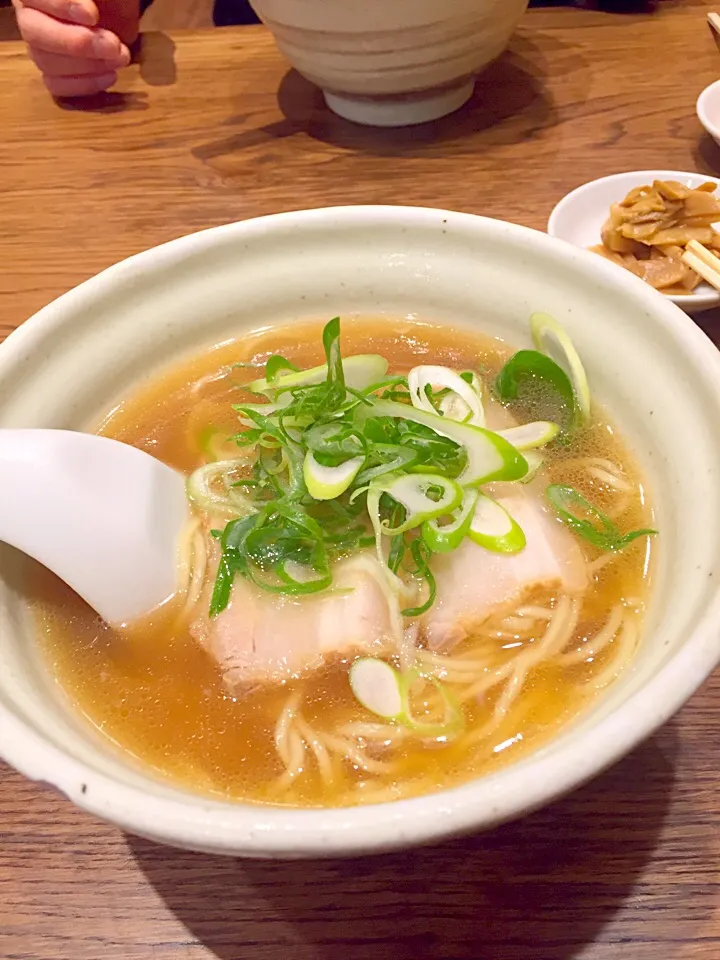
column 265, row 637
column 473, row 583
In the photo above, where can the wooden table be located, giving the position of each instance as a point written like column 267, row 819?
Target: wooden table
column 210, row 128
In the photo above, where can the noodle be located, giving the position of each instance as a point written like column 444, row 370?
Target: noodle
column 621, row 507
column 549, row 632
column 627, row 640
column 322, row 756
column 379, row 735
column 185, row 554
column 479, row 735
column 439, row 663
column 192, row 567
column 610, row 476
column 283, row 729
column 209, row 379
column 602, row 561
column 170, row 690
column 539, row 613
column 355, row 754
column 614, row 479
column 517, row 624
column 590, row 649
column 511, row 692
column 602, row 469
column 407, row 653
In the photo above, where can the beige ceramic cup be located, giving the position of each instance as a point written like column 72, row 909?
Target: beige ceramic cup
column 392, row 63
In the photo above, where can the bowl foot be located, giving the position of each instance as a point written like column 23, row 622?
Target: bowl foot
column 400, row 112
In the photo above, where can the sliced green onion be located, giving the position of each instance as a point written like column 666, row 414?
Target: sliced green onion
column 489, row 456
column 266, row 409
column 275, row 365
column 453, row 722
column 376, row 686
column 217, row 445
column 326, row 452
column 327, row 483
column 443, row 538
column 237, row 531
column 387, row 693
column 528, row 367
column 396, row 555
column 360, row 372
column 331, row 342
column 387, row 383
column 529, row 436
column 470, row 408
column 454, row 407
column 292, row 450
column 543, row 327
column 284, row 559
column 423, row 495
column 231, row 502
column 420, row 553
column 232, row 561
column 535, row 461
column 397, row 458
column 223, row 586
column 303, row 575
column 334, row 439
column 287, row 585
column 596, row 527
column 492, row 527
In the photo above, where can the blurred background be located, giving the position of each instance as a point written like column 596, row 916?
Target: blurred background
column 187, row 14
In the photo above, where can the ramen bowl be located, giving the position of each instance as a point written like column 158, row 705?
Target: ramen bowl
column 648, row 364
column 392, row 64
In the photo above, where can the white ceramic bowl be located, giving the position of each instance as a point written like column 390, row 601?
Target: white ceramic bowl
column 708, row 110
column 648, row 363
column 579, row 217
column 392, row 63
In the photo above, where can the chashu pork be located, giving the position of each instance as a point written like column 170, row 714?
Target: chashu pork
column 474, row 583
column 263, row 637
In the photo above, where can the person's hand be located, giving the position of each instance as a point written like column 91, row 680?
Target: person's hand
column 75, row 56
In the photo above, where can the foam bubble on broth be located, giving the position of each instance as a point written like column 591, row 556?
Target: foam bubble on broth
column 155, row 693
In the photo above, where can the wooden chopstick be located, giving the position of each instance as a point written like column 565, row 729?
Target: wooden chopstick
column 714, row 21
column 703, row 262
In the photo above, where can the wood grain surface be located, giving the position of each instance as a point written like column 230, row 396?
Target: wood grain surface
column 212, row 127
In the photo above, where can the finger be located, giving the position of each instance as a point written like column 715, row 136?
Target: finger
column 83, row 12
column 58, row 65
column 79, row 86
column 42, row 32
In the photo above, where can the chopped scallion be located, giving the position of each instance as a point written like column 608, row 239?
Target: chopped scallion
column 587, row 521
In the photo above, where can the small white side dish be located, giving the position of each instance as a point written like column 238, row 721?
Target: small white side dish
column 579, row 216
column 648, row 364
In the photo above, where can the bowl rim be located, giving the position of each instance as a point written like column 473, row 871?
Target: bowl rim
column 701, row 109
column 261, row 831
column 690, row 302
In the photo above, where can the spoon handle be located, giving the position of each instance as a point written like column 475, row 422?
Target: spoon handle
column 102, row 515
